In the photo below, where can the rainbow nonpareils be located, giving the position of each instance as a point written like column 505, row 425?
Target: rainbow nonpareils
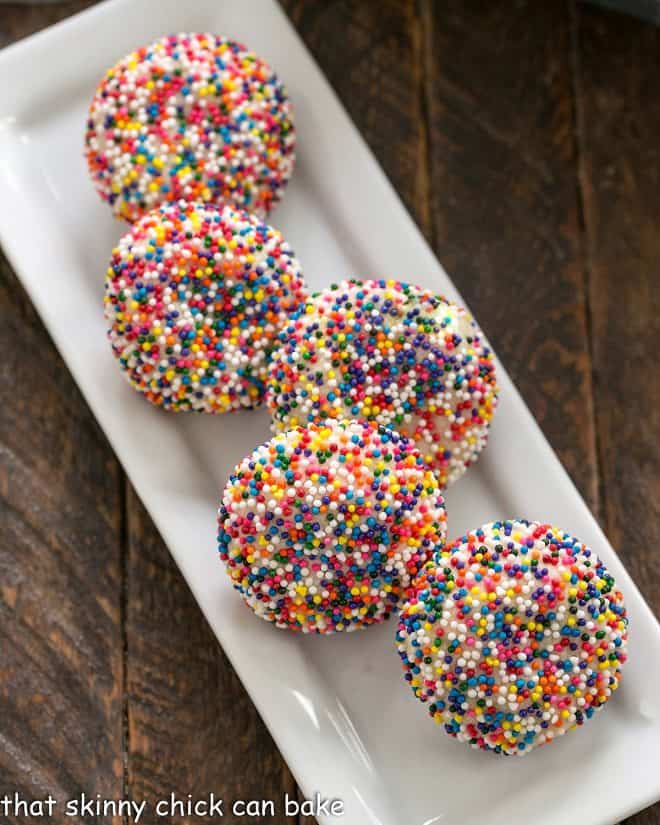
column 322, row 528
column 394, row 354
column 513, row 634
column 195, row 297
column 192, row 116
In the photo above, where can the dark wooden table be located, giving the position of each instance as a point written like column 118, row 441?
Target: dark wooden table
column 523, row 137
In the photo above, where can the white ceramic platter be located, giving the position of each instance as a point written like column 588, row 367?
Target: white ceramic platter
column 338, row 708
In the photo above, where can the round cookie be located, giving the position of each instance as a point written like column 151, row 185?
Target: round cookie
column 192, row 116
column 394, row 354
column 513, row 635
column 194, row 299
column 323, row 528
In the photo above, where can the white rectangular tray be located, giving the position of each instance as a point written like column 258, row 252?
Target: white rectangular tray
column 337, row 707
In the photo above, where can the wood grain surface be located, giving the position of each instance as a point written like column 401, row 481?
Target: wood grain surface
column 61, row 653
column 523, row 139
column 619, row 121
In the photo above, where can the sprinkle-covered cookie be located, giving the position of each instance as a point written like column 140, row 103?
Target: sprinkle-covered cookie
column 322, row 528
column 195, row 297
column 394, row 354
column 513, row 635
column 192, row 116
